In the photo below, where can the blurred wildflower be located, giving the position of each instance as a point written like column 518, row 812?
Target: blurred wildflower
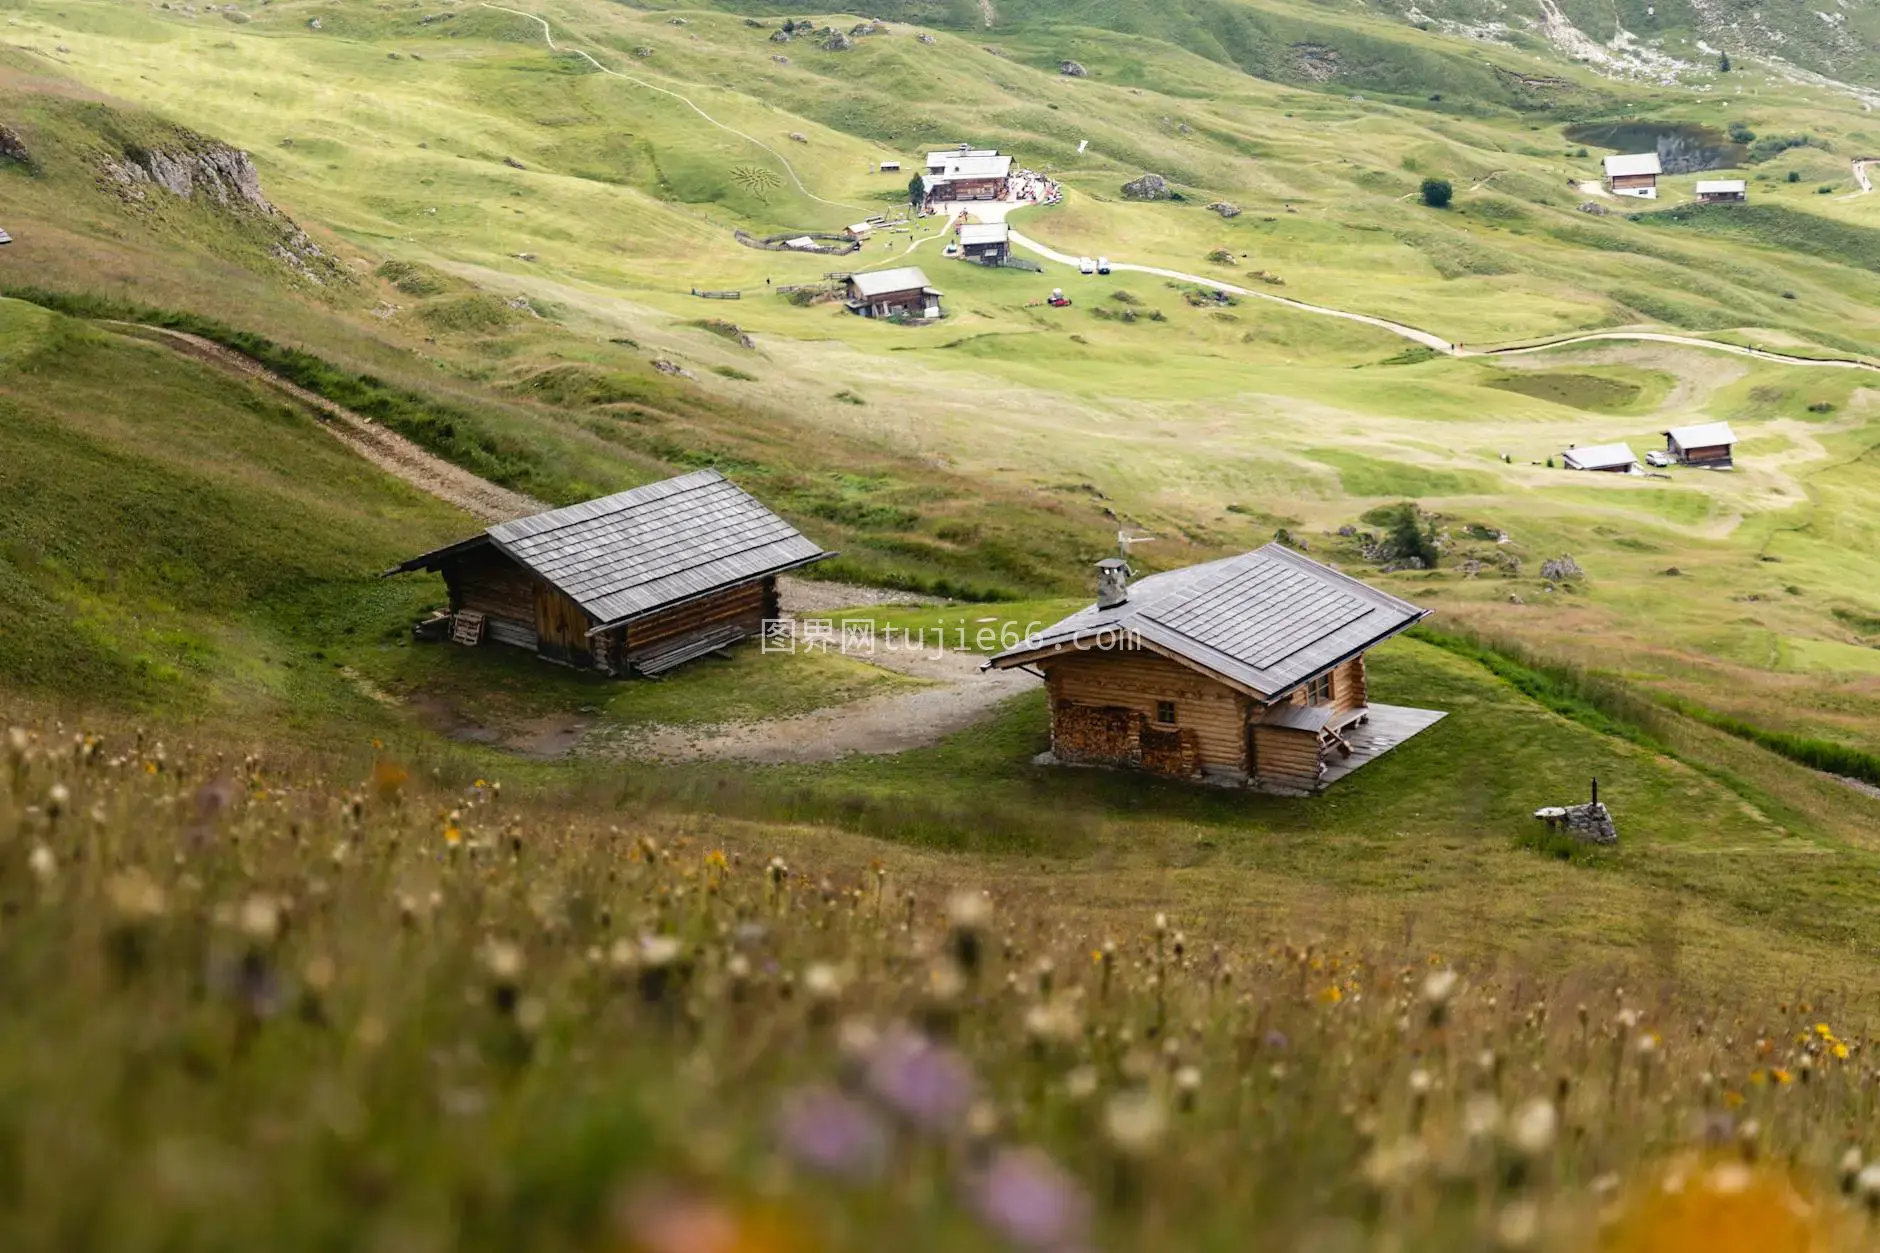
column 1030, row 1201
column 388, row 777
column 1135, row 1122
column 929, row 1085
column 1718, row 1207
column 832, row 1134
column 43, row 864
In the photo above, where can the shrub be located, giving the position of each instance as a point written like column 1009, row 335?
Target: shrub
column 1794, row 176
column 1437, row 193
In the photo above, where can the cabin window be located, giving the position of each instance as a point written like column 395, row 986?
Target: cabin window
column 1319, row 690
column 1165, row 712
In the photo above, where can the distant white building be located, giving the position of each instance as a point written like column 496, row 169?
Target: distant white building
column 1608, row 458
column 1635, row 174
column 1722, row 191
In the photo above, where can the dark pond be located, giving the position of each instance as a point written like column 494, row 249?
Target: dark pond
column 1682, row 147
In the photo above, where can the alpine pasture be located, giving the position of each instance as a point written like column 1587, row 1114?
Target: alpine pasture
column 318, row 935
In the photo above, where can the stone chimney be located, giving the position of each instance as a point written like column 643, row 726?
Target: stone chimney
column 1112, row 582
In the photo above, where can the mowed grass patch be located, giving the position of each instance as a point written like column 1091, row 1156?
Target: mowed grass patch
column 1364, row 476
column 1594, row 392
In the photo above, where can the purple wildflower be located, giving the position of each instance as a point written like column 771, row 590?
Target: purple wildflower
column 831, row 1133
column 1030, row 1201
column 929, row 1085
column 1277, row 1041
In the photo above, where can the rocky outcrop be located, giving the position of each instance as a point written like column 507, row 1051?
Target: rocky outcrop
column 1225, row 208
column 863, row 29
column 838, row 42
column 207, row 169
column 13, row 148
column 1071, row 69
column 781, row 37
column 206, row 172
column 1148, row 187
column 925, row 38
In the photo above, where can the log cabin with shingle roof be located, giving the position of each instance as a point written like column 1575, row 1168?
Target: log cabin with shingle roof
column 1246, row 671
column 635, row 583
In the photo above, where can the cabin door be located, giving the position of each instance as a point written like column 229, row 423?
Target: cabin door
column 560, row 627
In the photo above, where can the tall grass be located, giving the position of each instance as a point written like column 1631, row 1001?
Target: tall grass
column 314, row 1004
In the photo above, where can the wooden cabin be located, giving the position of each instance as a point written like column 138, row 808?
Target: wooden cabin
column 1604, row 458
column 988, row 243
column 903, row 290
column 631, row 584
column 1722, row 191
column 1711, row 445
column 1245, row 671
column 1634, row 174
column 967, row 174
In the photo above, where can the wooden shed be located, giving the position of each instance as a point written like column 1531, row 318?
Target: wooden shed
column 1634, row 174
column 988, row 243
column 1710, row 445
column 902, row 291
column 1606, row 458
column 1722, row 191
column 635, row 583
column 1244, row 671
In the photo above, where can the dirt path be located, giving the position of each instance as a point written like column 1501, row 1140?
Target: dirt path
column 1861, row 176
column 386, row 449
column 548, row 36
column 961, row 695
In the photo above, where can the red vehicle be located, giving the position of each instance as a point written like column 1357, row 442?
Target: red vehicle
column 1058, row 299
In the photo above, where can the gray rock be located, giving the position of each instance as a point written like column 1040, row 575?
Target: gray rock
column 781, row 60
column 1071, row 69
column 673, row 368
column 782, row 37
column 925, row 38
column 1148, row 187
column 1225, row 208
column 838, row 42
column 1561, row 569
column 514, row 164
column 13, row 146
column 313, row 23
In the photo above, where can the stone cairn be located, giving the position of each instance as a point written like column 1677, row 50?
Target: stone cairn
column 1590, row 823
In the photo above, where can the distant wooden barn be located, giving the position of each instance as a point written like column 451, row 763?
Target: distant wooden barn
column 966, row 174
column 635, row 583
column 1606, row 458
column 902, row 291
column 1244, row 671
column 1634, row 174
column 1711, row 445
column 988, row 243
column 1722, row 191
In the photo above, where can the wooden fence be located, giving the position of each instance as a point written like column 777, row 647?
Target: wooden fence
column 718, row 295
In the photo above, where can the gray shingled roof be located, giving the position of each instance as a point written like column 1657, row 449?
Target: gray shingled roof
column 872, row 283
column 631, row 553
column 1267, row 620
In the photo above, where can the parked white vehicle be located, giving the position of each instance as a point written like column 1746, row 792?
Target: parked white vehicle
column 1103, row 265
column 1657, row 458
column 1086, row 266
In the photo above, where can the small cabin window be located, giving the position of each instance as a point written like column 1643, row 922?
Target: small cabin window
column 1319, row 690
column 1165, row 712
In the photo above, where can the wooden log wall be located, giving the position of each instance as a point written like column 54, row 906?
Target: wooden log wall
column 1350, row 691
column 743, row 605
column 1136, row 679
column 490, row 583
column 1287, row 757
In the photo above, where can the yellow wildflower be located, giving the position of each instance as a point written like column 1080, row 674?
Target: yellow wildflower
column 453, row 835
column 1840, row 1051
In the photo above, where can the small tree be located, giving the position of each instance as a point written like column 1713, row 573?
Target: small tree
column 1795, row 176
column 916, row 191
column 1437, row 193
